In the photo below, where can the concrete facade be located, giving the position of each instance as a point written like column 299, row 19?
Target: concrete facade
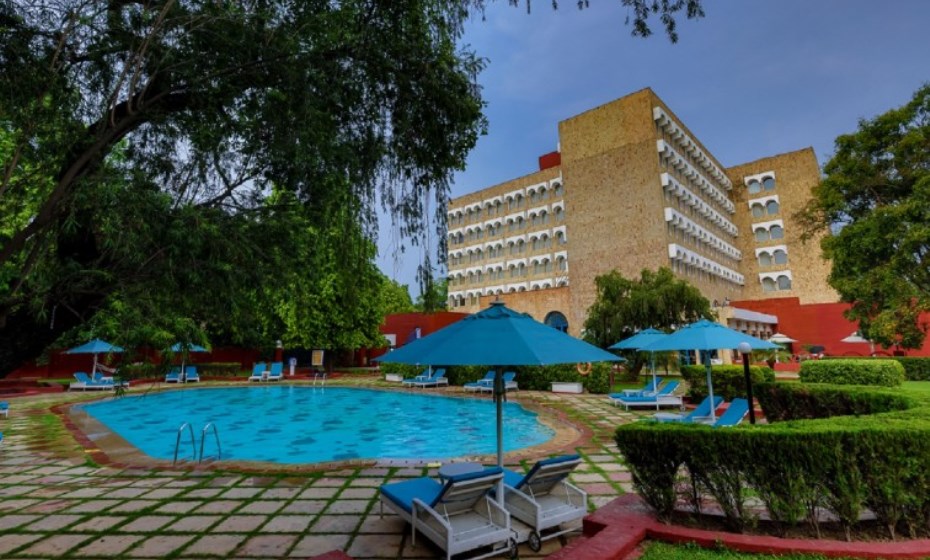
column 633, row 188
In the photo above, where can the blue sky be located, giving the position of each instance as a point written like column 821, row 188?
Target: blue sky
column 751, row 79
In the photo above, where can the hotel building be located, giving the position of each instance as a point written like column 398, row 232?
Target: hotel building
column 631, row 187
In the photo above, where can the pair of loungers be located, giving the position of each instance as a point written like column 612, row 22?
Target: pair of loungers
column 190, row 375
column 98, row 382
column 652, row 395
column 464, row 514
column 260, row 372
column 428, row 378
column 486, row 383
column 734, row 414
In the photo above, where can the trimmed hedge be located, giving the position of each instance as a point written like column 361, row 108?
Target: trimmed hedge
column 533, row 378
column 842, row 464
column 796, row 401
column 729, row 381
column 887, row 373
column 915, row 368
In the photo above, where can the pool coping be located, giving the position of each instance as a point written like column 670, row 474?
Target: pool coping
column 106, row 447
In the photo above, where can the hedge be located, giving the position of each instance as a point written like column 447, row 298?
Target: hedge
column 797, row 401
column 915, row 368
column 841, row 464
column 887, row 373
column 535, row 378
column 729, row 381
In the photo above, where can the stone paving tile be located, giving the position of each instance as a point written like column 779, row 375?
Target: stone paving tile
column 9, row 543
column 390, row 523
column 329, row 481
column 160, row 546
column 335, row 524
column 288, row 524
column 214, row 545
column 219, row 506
column 83, row 493
column 347, row 506
column 192, row 523
column 313, row 545
column 240, row 524
column 108, row 545
column 178, row 507
column 55, row 545
column 368, row 482
column 53, row 522
column 280, row 493
column 319, row 493
column 12, row 521
column 99, row 523
column 224, row 481
column 267, row 546
column 93, row 506
column 13, row 505
column 383, row 546
column 126, row 493
column 358, row 493
column 133, row 506
column 305, row 506
column 203, row 493
column 240, row 493
column 262, row 506
column 147, row 524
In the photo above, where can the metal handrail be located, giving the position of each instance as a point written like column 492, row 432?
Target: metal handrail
column 216, row 435
column 177, row 443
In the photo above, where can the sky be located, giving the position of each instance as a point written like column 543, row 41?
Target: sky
column 753, row 78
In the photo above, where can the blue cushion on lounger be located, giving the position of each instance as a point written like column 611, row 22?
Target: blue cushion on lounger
column 515, row 480
column 428, row 490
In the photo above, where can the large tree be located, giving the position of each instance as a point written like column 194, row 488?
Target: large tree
column 205, row 160
column 875, row 198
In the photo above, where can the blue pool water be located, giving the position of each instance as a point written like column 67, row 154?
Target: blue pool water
column 287, row 424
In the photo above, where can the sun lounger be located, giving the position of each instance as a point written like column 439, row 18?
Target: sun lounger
column 663, row 397
column 701, row 414
column 510, row 383
column 5, row 409
column 173, row 376
column 458, row 515
column 648, row 389
column 258, row 372
column 191, row 375
column 486, row 381
column 84, row 382
column 545, row 500
column 734, row 414
column 438, row 378
column 427, row 373
column 277, row 371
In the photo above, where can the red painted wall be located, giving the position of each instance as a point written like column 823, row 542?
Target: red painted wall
column 550, row 160
column 402, row 324
column 821, row 324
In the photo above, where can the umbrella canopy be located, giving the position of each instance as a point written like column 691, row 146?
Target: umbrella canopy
column 779, row 338
column 95, row 346
column 180, row 347
column 707, row 335
column 640, row 340
column 856, row 338
column 500, row 337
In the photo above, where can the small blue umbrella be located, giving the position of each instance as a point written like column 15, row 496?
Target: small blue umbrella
column 95, row 346
column 639, row 341
column 707, row 335
column 499, row 337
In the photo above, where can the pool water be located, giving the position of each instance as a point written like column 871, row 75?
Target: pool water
column 288, row 424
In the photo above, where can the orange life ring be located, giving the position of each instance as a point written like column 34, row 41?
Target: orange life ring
column 583, row 368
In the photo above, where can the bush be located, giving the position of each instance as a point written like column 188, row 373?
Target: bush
column 729, row 381
column 532, row 378
column 841, row 464
column 915, row 369
column 220, row 369
column 887, row 373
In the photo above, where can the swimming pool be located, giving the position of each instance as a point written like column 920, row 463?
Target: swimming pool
column 293, row 424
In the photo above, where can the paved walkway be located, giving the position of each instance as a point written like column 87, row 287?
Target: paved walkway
column 55, row 502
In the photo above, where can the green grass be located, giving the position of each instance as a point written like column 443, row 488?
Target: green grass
column 663, row 551
column 918, row 387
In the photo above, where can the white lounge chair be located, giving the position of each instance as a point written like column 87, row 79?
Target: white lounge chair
column 486, row 381
column 84, row 382
column 663, row 397
column 191, row 375
column 258, row 372
column 276, row 373
column 173, row 376
column 545, row 500
column 5, row 409
column 438, row 378
column 458, row 516
column 510, row 383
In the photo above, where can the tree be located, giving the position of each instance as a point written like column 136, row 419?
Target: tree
column 434, row 296
column 395, row 297
column 165, row 153
column 656, row 300
column 875, row 199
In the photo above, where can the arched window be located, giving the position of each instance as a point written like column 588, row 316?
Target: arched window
column 557, row 321
column 769, row 183
column 784, row 283
column 559, row 190
column 772, row 207
column 559, row 214
column 754, row 187
column 762, row 234
column 776, row 232
column 765, row 259
column 757, row 211
column 562, row 239
column 768, row 285
column 563, row 264
column 781, row 257
column 513, row 271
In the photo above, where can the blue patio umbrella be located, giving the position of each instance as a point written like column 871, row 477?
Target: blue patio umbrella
column 707, row 335
column 498, row 337
column 186, row 348
column 95, row 346
column 639, row 341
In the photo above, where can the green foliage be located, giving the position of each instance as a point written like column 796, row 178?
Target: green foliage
column 888, row 373
column 843, row 464
column 531, row 378
column 876, row 193
column 395, row 297
column 433, row 295
column 915, row 369
column 729, row 380
column 656, row 299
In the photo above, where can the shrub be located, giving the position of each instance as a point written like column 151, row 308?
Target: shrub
column 888, row 373
column 915, row 369
column 796, row 401
column 219, row 369
column 729, row 381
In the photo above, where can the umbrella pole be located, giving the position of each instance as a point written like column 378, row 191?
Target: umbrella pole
column 93, row 372
column 710, row 388
column 652, row 356
column 498, row 403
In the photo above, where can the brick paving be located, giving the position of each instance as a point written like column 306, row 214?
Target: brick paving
column 56, row 502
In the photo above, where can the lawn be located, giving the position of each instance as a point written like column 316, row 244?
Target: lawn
column 919, row 387
column 663, row 551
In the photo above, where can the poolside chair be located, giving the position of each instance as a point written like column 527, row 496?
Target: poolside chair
column 486, row 381
column 84, row 382
column 701, row 414
column 544, row 499
column 458, row 516
column 191, row 375
column 258, row 371
column 734, row 414
column 648, row 389
column 108, row 379
column 276, row 373
column 173, row 375
column 5, row 409
column 438, row 378
column 664, row 397
column 424, row 376
column 509, row 378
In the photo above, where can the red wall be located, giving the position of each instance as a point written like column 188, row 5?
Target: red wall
column 402, row 324
column 821, row 324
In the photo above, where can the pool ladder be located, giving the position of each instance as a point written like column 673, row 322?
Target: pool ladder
column 203, row 439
